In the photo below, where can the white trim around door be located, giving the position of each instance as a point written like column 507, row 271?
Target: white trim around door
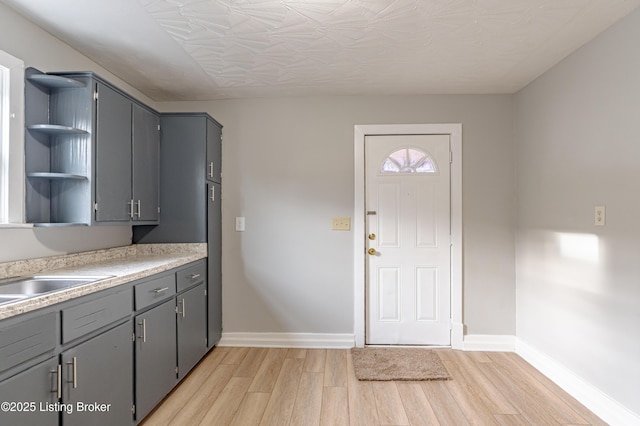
column 454, row 130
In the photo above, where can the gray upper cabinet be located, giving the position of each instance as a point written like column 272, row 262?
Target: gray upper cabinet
column 91, row 152
column 145, row 148
column 113, row 156
column 127, row 159
column 214, row 151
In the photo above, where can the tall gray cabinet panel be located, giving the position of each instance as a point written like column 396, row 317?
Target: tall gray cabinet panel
column 190, row 198
column 214, row 236
column 100, row 370
column 155, row 356
column 38, row 384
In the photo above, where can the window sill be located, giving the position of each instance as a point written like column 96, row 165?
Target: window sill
column 15, row 225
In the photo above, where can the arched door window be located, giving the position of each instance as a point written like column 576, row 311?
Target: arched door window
column 408, row 160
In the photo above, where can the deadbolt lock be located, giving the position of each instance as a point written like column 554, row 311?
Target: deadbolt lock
column 372, row 236
column 371, row 251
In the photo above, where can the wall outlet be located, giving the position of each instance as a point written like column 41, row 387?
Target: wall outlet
column 341, row 224
column 600, row 216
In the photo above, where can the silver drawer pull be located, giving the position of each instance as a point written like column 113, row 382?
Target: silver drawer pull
column 211, row 169
column 160, row 290
column 194, row 276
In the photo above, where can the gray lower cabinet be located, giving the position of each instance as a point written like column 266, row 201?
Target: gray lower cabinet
column 155, row 365
column 97, row 378
column 192, row 328
column 34, row 389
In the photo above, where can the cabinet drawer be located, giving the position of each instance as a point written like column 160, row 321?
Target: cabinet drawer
column 25, row 340
column 90, row 316
column 191, row 276
column 155, row 290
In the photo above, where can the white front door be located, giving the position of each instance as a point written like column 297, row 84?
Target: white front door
column 407, row 204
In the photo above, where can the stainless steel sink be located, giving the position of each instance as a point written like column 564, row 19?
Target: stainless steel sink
column 25, row 287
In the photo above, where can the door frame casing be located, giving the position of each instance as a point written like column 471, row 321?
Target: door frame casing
column 454, row 130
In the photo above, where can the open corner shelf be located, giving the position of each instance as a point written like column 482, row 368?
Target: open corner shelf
column 58, row 225
column 54, row 81
column 56, row 129
column 55, row 176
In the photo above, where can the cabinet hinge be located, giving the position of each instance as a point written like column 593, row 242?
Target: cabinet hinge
column 158, row 210
column 133, row 409
column 205, row 291
column 95, row 206
column 133, row 337
column 158, row 127
column 95, row 96
column 176, row 370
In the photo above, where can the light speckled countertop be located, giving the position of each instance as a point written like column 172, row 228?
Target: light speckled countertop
column 122, row 264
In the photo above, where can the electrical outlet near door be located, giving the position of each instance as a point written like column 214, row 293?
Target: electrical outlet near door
column 341, row 224
column 600, row 216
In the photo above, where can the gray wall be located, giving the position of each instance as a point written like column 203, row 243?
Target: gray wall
column 578, row 146
column 288, row 168
column 39, row 49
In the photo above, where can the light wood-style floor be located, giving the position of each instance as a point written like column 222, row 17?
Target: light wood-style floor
column 260, row 386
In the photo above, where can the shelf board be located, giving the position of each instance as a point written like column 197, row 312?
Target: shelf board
column 55, row 176
column 55, row 81
column 56, row 129
column 57, row 225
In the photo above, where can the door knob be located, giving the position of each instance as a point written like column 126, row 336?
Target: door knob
column 371, row 251
column 372, row 236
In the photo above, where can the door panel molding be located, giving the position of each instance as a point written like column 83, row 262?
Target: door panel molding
column 454, row 130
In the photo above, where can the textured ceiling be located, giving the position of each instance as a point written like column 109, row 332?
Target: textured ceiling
column 211, row 49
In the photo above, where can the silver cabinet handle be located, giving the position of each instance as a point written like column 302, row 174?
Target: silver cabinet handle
column 210, row 170
column 213, row 193
column 130, row 203
column 139, row 203
column 181, row 302
column 194, row 276
column 143, row 325
column 160, row 290
column 58, row 373
column 74, row 364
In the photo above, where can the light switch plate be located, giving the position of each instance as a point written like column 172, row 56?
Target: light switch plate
column 239, row 224
column 599, row 216
column 341, row 224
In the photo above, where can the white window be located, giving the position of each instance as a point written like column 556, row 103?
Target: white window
column 408, row 160
column 11, row 139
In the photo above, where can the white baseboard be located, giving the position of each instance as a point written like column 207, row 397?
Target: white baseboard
column 289, row 340
column 591, row 397
column 489, row 343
